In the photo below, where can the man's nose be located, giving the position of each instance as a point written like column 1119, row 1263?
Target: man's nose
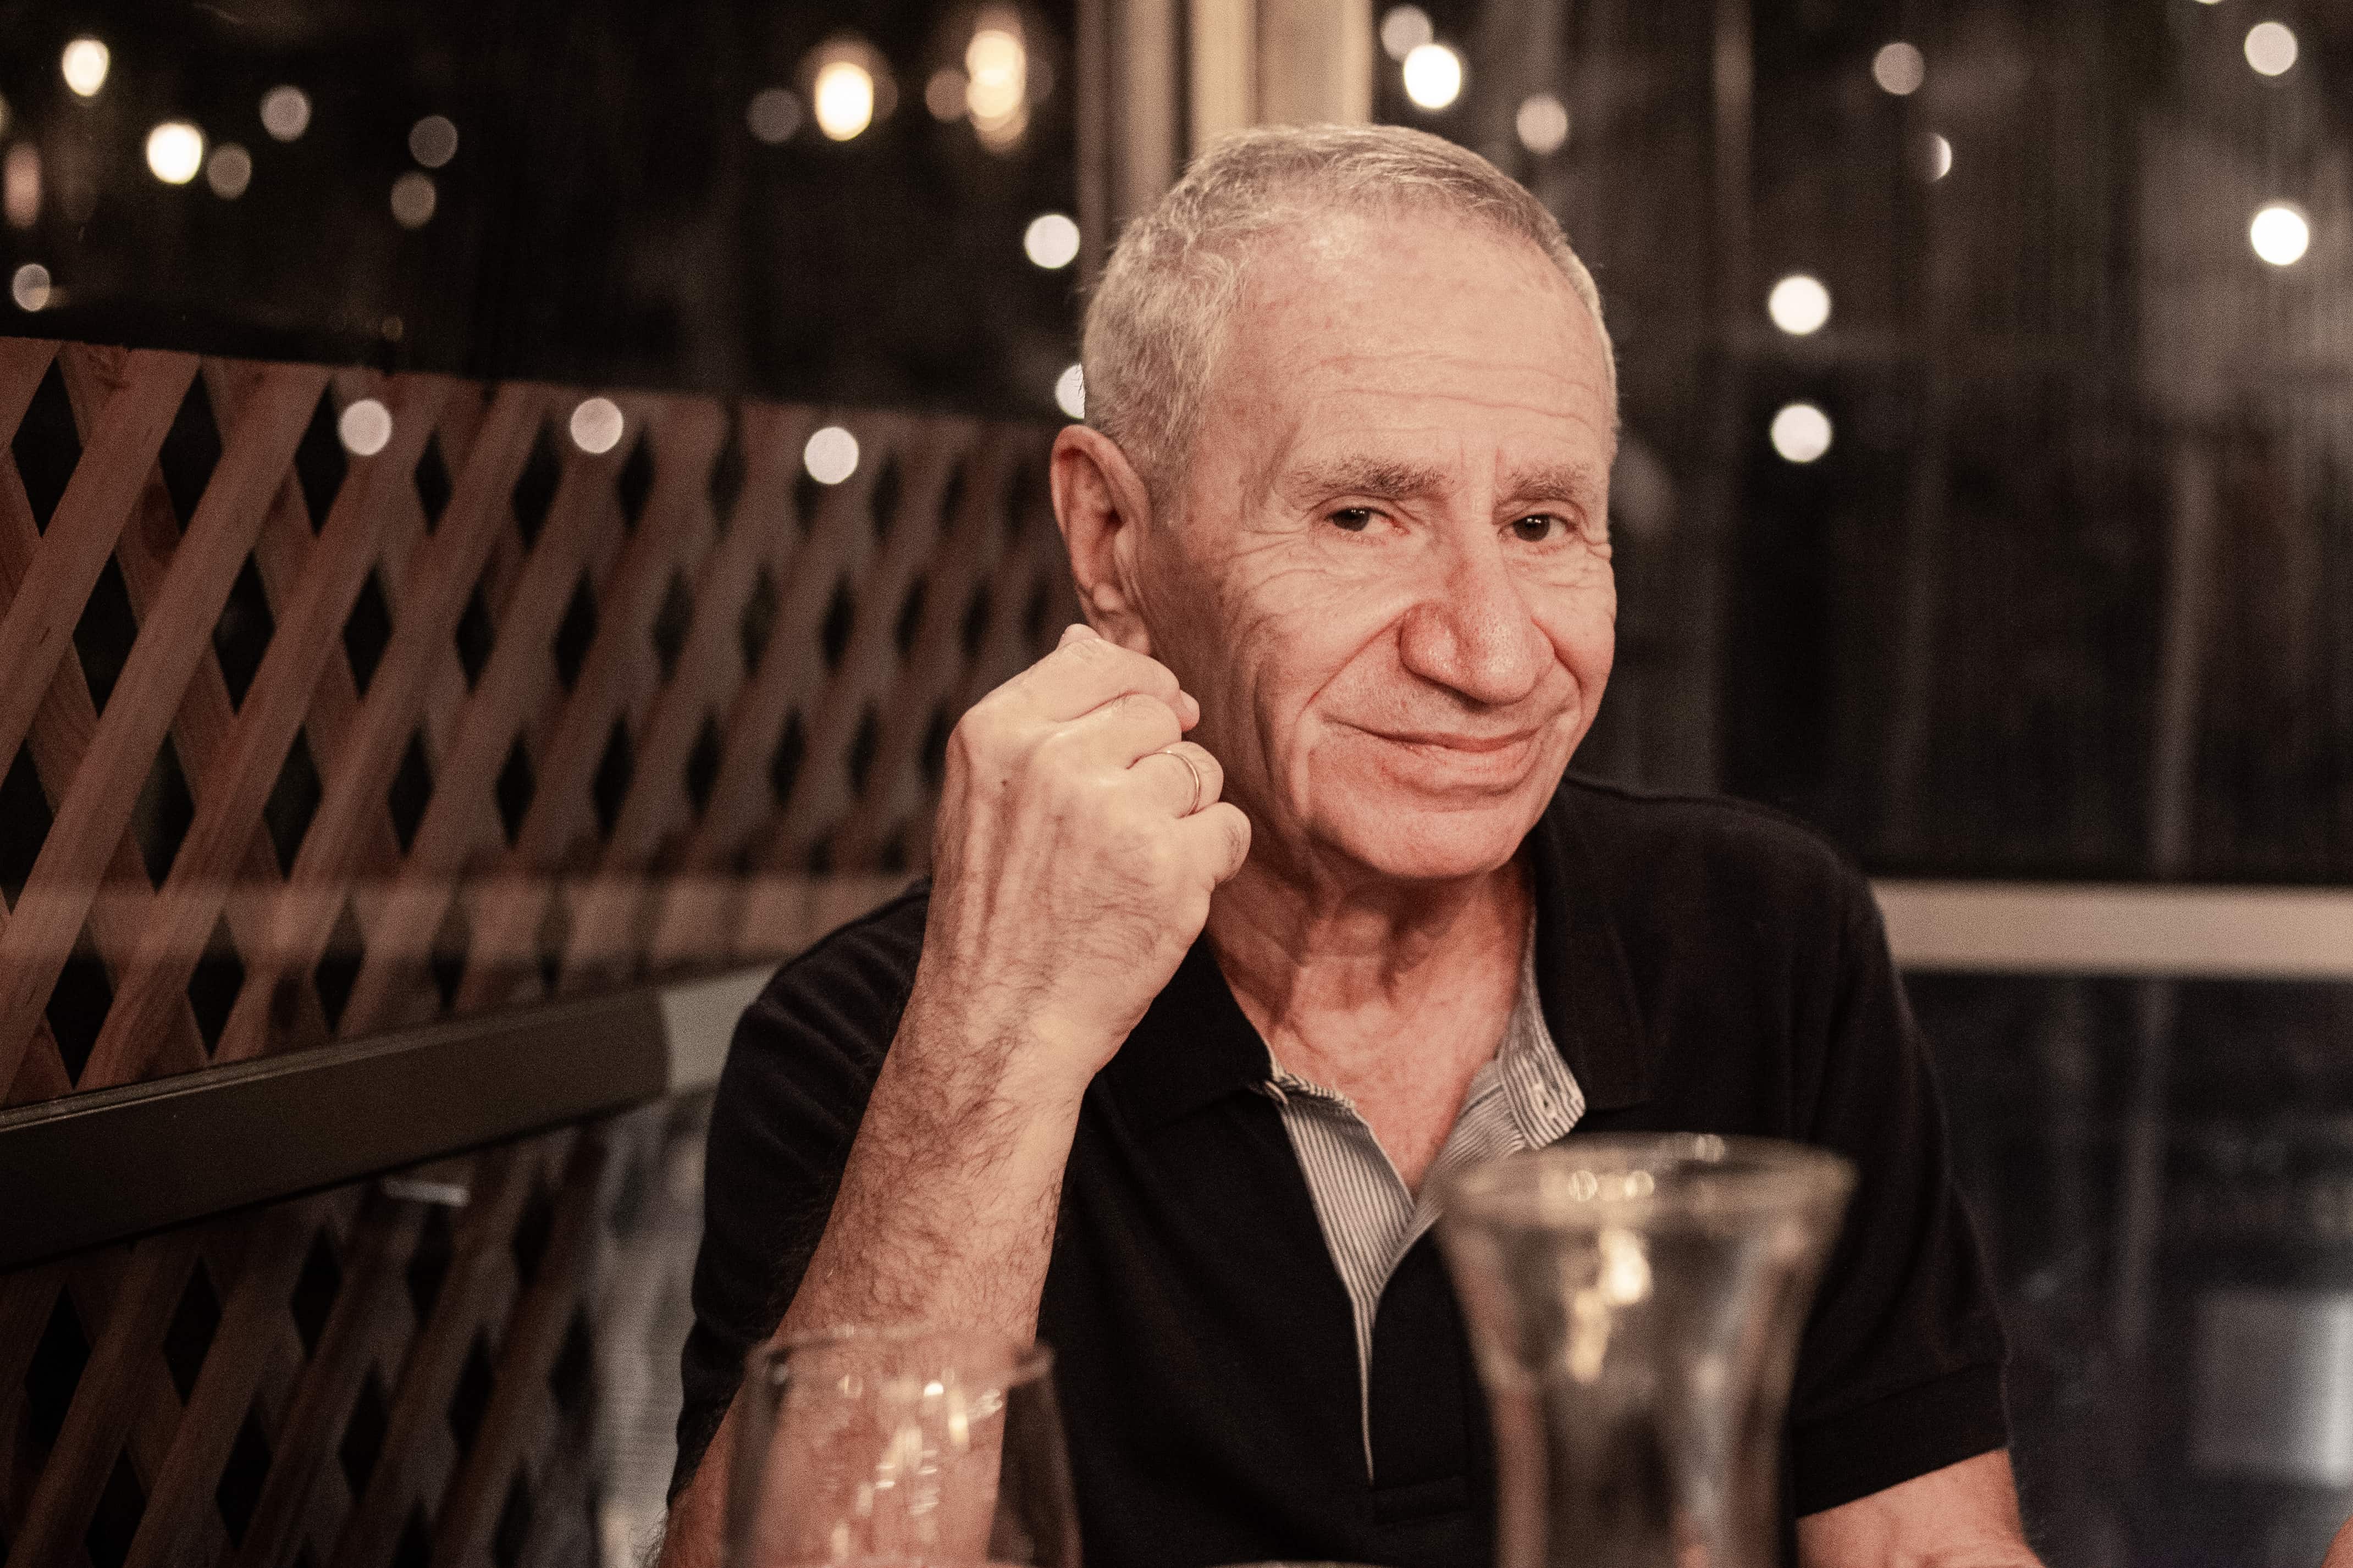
column 1473, row 631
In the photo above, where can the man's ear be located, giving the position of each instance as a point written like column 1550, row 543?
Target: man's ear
column 1103, row 509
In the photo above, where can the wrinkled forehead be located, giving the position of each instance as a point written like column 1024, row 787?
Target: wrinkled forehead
column 1402, row 323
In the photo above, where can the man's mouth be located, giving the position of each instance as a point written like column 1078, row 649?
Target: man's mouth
column 1458, row 740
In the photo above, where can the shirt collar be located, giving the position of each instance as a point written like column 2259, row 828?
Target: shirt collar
column 1194, row 1045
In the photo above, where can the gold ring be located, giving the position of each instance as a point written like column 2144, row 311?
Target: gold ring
column 1193, row 768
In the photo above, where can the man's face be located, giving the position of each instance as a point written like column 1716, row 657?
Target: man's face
column 1388, row 583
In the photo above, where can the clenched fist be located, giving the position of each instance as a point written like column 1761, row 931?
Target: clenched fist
column 1080, row 837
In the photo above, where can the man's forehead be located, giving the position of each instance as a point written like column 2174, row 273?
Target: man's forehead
column 1375, row 314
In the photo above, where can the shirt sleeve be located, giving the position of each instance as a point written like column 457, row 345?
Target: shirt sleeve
column 1900, row 1370
column 799, row 1070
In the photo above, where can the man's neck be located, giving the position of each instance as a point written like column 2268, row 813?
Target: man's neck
column 1334, row 974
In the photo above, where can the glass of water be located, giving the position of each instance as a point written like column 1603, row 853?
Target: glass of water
column 898, row 1447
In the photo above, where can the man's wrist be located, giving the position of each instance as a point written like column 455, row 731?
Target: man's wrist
column 992, row 1061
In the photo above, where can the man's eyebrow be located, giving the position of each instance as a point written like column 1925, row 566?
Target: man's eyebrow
column 1381, row 479
column 1553, row 482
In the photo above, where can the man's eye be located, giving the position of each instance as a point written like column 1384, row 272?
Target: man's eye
column 1536, row 527
column 1354, row 518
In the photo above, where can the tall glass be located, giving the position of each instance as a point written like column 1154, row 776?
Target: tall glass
column 1635, row 1304
column 901, row 1446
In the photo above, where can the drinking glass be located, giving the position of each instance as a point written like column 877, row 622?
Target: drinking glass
column 901, row 1446
column 1635, row 1304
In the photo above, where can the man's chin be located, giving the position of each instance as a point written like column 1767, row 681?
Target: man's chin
column 1412, row 841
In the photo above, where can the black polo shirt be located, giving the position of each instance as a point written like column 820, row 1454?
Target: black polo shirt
column 1703, row 965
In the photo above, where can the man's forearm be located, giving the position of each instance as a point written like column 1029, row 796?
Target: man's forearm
column 945, row 1216
column 946, row 1210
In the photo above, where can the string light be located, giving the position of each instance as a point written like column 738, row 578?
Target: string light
column 413, row 199
column 1071, row 392
column 433, row 141
column 85, row 64
column 1542, row 123
column 1900, row 68
column 285, row 112
column 831, row 455
column 2271, row 49
column 844, row 97
column 30, row 286
column 365, row 427
column 996, row 80
column 596, row 425
column 1799, row 304
column 20, row 184
column 1801, row 432
column 1433, row 75
column 230, row 171
column 773, row 115
column 1404, row 29
column 2280, row 233
column 176, row 151
column 1051, row 241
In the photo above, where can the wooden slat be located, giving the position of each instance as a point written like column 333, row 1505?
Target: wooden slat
column 474, row 1297
column 38, row 630
column 102, row 1406
column 673, row 534
column 515, row 683
column 180, row 1507
column 240, row 781
column 513, row 1422
column 59, row 740
column 441, row 580
column 381, row 1240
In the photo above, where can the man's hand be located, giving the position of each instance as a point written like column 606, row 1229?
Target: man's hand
column 1072, row 869
column 1080, row 837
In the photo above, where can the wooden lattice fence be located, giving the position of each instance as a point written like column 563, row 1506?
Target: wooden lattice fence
column 298, row 745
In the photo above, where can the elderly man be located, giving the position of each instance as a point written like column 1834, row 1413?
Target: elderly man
column 1161, row 1064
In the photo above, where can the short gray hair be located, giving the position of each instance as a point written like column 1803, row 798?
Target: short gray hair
column 1155, row 323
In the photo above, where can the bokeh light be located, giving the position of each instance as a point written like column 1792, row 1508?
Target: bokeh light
column 596, row 425
column 413, row 199
column 1799, row 304
column 176, row 151
column 1433, row 75
column 844, row 99
column 285, row 112
column 433, row 141
column 228, row 171
column 1404, row 29
column 996, row 80
column 20, row 184
column 831, row 455
column 31, row 286
column 1051, row 240
column 1542, row 123
column 1801, row 432
column 943, row 93
column 2271, row 49
column 365, row 427
column 1071, row 392
column 1900, row 68
column 773, row 115
column 2280, row 233
column 85, row 64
